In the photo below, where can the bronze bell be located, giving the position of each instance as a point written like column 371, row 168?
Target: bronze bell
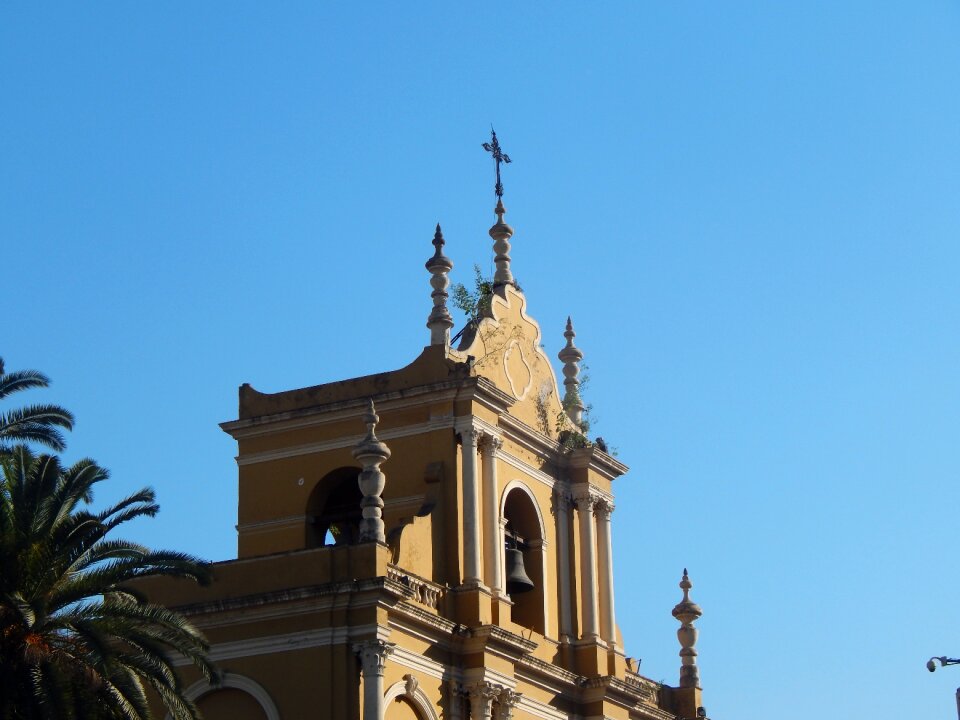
column 517, row 579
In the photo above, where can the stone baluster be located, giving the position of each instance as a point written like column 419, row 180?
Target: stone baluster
column 571, row 356
column 687, row 612
column 439, row 266
column 501, row 234
column 371, row 453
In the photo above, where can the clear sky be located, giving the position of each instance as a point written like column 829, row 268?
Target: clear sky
column 749, row 208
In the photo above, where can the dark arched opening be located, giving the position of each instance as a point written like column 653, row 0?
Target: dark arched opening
column 524, row 533
column 333, row 509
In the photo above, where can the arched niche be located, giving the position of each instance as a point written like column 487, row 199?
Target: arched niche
column 333, row 509
column 523, row 525
column 234, row 694
column 406, row 700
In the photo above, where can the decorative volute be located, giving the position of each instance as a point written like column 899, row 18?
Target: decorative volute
column 371, row 453
column 501, row 234
column 571, row 356
column 439, row 266
column 687, row 612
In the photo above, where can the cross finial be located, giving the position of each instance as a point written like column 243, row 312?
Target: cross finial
column 499, row 156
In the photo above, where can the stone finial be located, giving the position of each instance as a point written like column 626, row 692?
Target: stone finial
column 687, row 613
column 439, row 266
column 571, row 356
column 501, row 234
column 371, row 453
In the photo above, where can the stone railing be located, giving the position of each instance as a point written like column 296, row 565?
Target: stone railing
column 424, row 592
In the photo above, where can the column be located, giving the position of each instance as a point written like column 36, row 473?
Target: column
column 471, row 509
column 588, row 564
column 561, row 510
column 605, row 561
column 489, row 446
column 455, row 695
column 482, row 695
column 373, row 656
column 506, row 701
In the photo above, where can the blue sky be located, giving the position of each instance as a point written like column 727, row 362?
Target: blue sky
column 749, row 208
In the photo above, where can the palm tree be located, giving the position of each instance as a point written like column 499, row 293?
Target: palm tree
column 36, row 423
column 77, row 640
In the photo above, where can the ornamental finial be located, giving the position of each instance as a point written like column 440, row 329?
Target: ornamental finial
column 571, row 356
column 687, row 612
column 499, row 156
column 371, row 453
column 439, row 266
column 500, row 232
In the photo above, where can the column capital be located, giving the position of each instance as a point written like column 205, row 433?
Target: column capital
column 604, row 508
column 469, row 434
column 507, row 700
column 488, row 442
column 373, row 656
column 561, row 501
column 482, row 694
column 585, row 497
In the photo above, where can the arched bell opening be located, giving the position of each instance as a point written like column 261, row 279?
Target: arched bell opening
column 333, row 509
column 523, row 559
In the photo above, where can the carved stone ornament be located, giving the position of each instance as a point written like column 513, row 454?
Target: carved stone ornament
column 561, row 502
column 470, row 436
column 506, row 702
column 604, row 509
column 586, row 499
column 482, row 694
column 373, row 656
column 410, row 685
column 490, row 443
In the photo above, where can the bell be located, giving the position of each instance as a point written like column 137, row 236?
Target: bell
column 517, row 580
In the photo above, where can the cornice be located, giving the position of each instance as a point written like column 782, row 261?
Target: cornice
column 596, row 459
column 373, row 586
column 340, row 410
column 494, row 637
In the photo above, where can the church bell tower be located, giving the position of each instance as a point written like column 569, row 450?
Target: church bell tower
column 431, row 542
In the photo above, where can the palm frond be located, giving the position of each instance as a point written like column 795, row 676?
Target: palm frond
column 20, row 380
column 86, row 643
column 37, row 423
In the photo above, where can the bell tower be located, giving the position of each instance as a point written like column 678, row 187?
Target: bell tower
column 433, row 541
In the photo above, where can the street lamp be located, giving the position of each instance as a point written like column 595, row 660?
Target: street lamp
column 944, row 661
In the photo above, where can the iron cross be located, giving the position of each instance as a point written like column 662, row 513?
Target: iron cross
column 498, row 157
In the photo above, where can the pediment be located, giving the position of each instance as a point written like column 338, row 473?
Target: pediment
column 505, row 345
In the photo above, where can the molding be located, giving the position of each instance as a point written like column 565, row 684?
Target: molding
column 338, row 411
column 414, row 694
column 266, row 525
column 306, row 599
column 270, row 644
column 439, row 423
column 542, row 711
column 530, row 470
column 525, row 489
column 237, row 682
column 422, row 664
